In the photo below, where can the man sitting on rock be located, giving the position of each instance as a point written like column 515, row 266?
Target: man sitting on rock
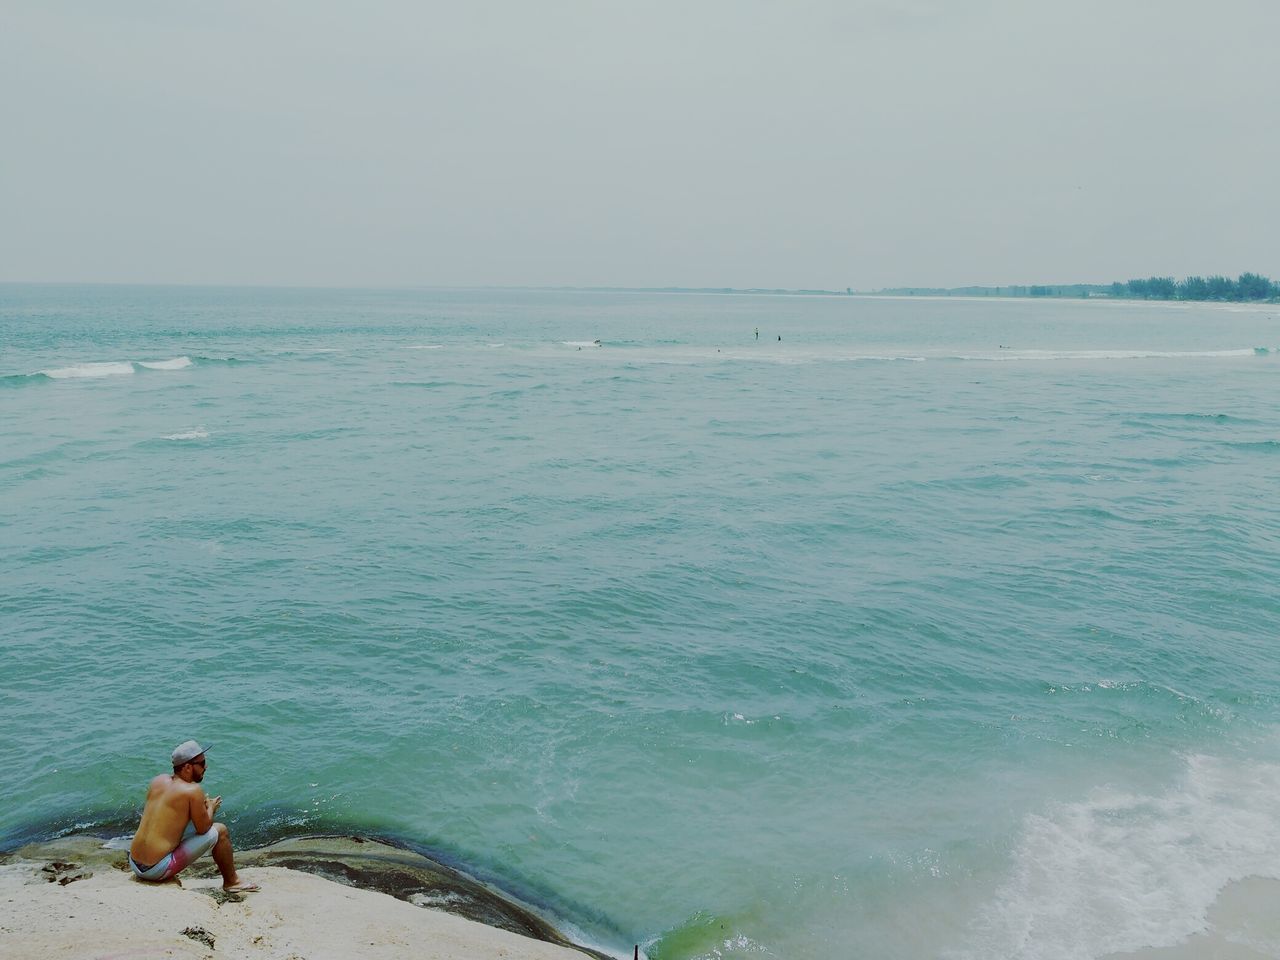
column 177, row 825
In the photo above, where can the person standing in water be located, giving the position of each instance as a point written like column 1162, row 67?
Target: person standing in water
column 177, row 825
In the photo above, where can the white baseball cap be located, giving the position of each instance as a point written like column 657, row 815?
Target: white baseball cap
column 187, row 751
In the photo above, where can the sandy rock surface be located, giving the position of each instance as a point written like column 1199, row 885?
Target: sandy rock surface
column 80, row 904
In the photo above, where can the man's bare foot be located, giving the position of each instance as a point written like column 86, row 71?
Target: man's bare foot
column 241, row 886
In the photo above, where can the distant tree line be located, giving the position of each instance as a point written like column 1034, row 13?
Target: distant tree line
column 1248, row 286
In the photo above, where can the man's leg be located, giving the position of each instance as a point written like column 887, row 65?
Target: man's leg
column 224, row 857
column 193, row 846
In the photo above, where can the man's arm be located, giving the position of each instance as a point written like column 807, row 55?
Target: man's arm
column 201, row 810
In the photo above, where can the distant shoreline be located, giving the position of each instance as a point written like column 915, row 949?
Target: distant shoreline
column 1013, row 292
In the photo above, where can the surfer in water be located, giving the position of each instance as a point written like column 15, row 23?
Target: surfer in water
column 177, row 825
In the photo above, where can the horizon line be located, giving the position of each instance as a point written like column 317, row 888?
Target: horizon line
column 566, row 288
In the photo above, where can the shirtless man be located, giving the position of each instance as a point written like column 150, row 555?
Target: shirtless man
column 177, row 825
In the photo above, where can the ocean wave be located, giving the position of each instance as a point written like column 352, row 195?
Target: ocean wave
column 199, row 433
column 792, row 359
column 176, row 363
column 1119, row 871
column 89, row 371
column 1005, row 354
column 100, row 368
column 1255, row 446
column 581, row 343
column 877, row 358
column 1223, row 418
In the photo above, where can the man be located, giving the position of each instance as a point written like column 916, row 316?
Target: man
column 177, row 825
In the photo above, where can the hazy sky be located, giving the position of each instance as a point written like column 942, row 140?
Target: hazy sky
column 862, row 143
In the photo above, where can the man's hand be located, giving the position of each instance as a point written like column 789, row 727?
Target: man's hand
column 213, row 805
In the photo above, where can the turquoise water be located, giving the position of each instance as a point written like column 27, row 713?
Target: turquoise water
column 938, row 628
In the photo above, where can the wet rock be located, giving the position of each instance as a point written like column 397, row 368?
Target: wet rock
column 200, row 935
column 409, row 876
column 221, row 896
column 63, row 872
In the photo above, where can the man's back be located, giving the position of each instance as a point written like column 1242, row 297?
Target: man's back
column 170, row 806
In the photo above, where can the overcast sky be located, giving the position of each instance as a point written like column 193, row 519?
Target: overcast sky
column 863, row 143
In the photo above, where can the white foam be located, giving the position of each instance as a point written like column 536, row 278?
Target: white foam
column 114, row 368
column 1119, row 872
column 84, row 370
column 427, row 346
column 883, row 359
column 199, row 433
column 581, row 343
column 176, row 363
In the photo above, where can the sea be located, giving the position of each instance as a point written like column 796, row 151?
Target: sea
column 726, row 625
